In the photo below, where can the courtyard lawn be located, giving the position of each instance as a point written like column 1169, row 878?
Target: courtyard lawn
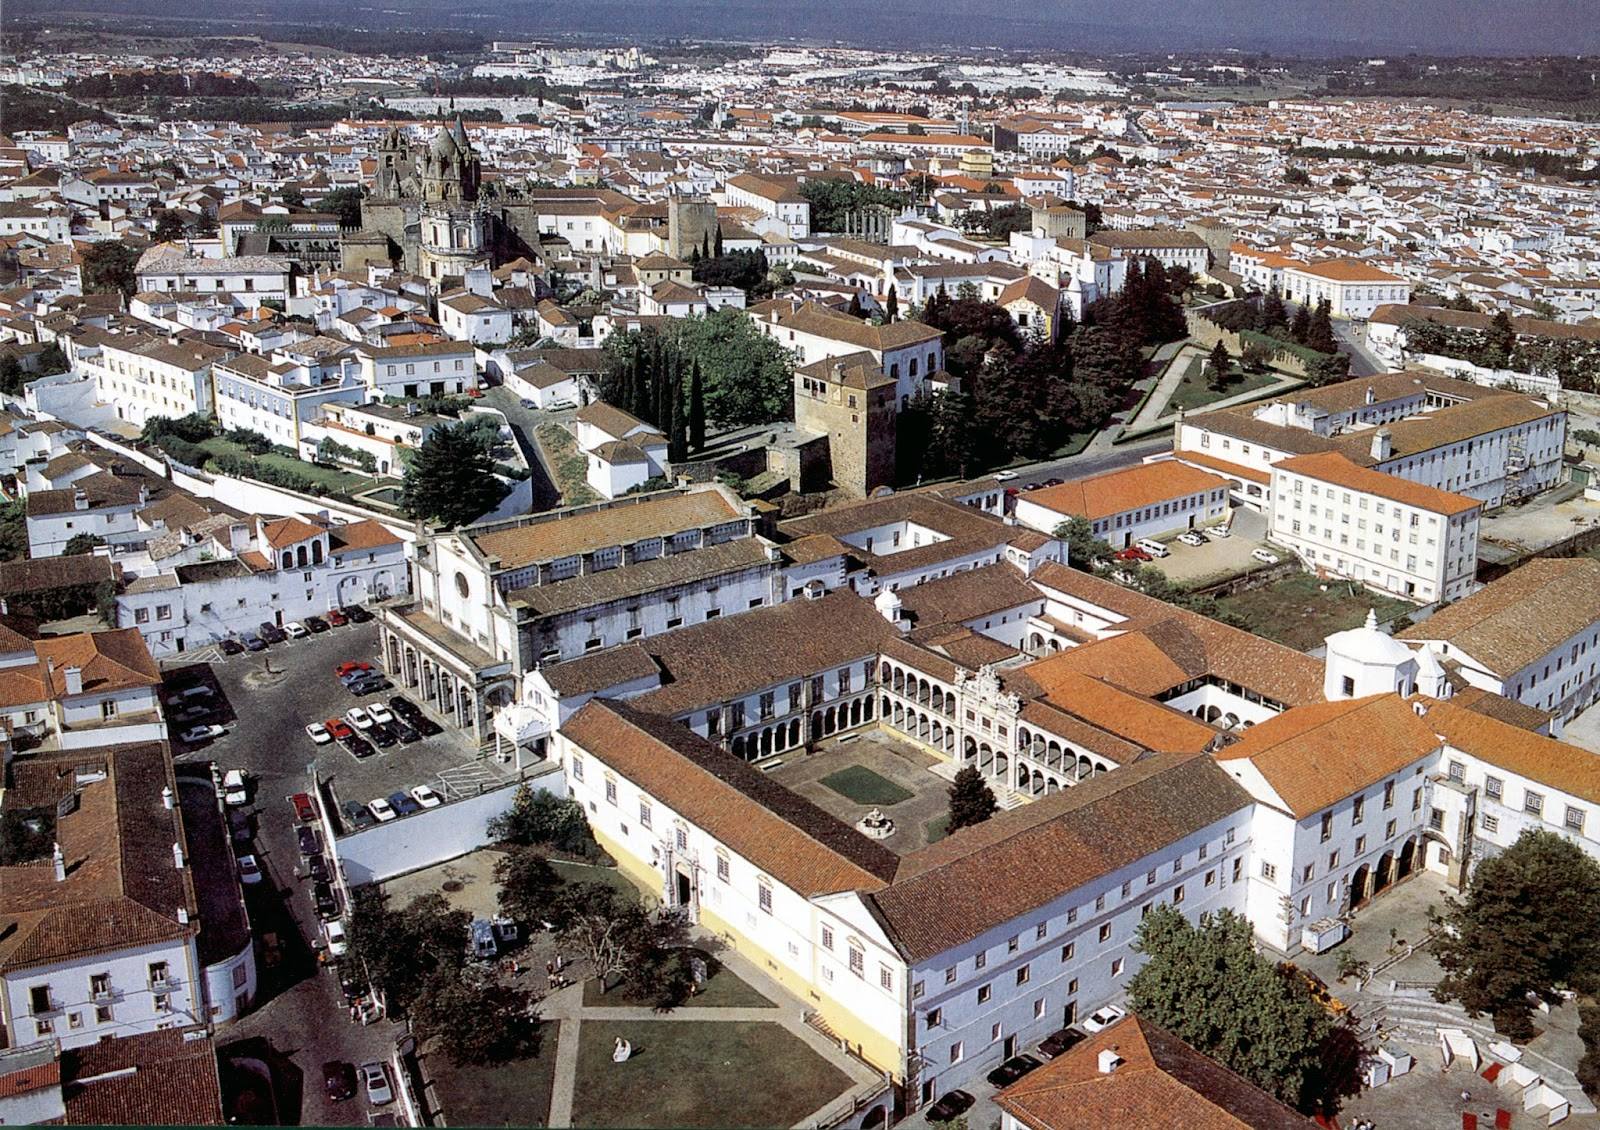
column 324, row 478
column 862, row 785
column 699, row 1074
column 1195, row 390
column 936, row 829
column 591, row 873
column 723, row 989
column 1296, row 612
column 503, row 1094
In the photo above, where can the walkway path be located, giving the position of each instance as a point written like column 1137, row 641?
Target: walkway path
column 1156, row 403
column 567, row 1008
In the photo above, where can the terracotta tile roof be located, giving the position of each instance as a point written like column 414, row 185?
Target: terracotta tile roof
column 1318, row 754
column 819, row 321
column 985, row 876
column 1346, row 271
column 152, row 1079
column 968, row 595
column 567, row 534
column 782, row 833
column 1557, row 764
column 1159, row 1081
column 1223, row 466
column 1332, row 467
column 1130, row 488
column 1519, row 618
column 288, row 531
column 366, row 534
column 111, row 660
column 1117, row 711
column 1502, row 709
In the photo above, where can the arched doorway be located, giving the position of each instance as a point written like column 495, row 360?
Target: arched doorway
column 1358, row 886
column 1407, row 859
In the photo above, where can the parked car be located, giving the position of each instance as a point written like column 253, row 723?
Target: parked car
column 1060, row 1041
column 357, row 614
column 1103, row 1018
column 235, row 789
column 358, row 718
column 406, row 732
column 239, row 826
column 339, row 728
column 339, row 1080
column 271, row 632
column 426, row 797
column 358, row 747
column 230, row 646
column 316, row 623
column 335, row 618
column 1220, row 531
column 1132, row 553
column 356, row 816
column 319, row 733
column 1265, row 556
column 304, row 810
column 528, row 404
column 344, row 670
column 382, row 735
column 295, row 630
column 376, row 1079
column 1153, row 547
column 404, row 707
column 379, row 712
column 317, row 868
column 197, row 735
column 372, row 684
column 253, row 642
column 308, row 839
column 1005, row 476
column 381, row 810
column 402, row 804
column 249, row 870
column 427, row 727
column 325, row 899
column 951, row 1105
column 191, row 713
column 1192, row 537
column 1012, row 1070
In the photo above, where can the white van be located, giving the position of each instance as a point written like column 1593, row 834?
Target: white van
column 1153, row 548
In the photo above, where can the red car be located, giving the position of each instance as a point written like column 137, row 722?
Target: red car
column 304, row 811
column 335, row 617
column 338, row 727
column 1132, row 553
column 342, row 669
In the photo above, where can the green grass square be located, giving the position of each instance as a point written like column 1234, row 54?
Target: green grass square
column 862, row 785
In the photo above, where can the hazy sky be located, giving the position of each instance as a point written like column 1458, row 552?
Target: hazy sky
column 1304, row 26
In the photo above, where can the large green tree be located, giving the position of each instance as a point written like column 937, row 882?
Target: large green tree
column 1205, row 983
column 474, row 1019
column 971, row 800
column 528, row 885
column 1530, row 924
column 451, row 478
column 109, row 265
column 401, row 950
column 1084, row 546
column 611, row 929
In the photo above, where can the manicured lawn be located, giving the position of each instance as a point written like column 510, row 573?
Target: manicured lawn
column 589, row 873
column 1296, row 612
column 698, row 1074
column 326, row 478
column 722, row 989
column 862, row 785
column 506, row 1094
column 936, row 829
column 1195, row 391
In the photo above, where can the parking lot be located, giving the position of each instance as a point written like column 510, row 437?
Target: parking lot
column 264, row 700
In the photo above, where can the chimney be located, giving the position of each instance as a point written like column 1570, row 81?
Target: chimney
column 177, row 855
column 1109, row 1060
column 1382, row 444
column 73, row 676
column 80, row 499
column 59, row 861
column 167, row 800
column 183, row 916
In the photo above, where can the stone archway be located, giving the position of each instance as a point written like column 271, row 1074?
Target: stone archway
column 1407, row 859
column 1358, row 886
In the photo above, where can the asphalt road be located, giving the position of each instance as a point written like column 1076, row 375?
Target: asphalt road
column 300, row 1020
column 1091, row 462
column 1353, row 342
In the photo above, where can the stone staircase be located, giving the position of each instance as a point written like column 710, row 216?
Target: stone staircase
column 1414, row 1018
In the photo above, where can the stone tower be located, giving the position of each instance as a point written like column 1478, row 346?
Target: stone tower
column 852, row 402
column 691, row 225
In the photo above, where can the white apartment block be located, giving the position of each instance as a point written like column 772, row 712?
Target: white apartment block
column 441, row 368
column 144, row 377
column 1414, row 541
column 1352, row 288
column 274, row 398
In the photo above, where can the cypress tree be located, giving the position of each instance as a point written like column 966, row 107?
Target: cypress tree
column 677, row 428
column 697, row 409
column 717, row 247
column 892, row 307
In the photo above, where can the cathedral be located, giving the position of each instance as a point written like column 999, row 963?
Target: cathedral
column 424, row 213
